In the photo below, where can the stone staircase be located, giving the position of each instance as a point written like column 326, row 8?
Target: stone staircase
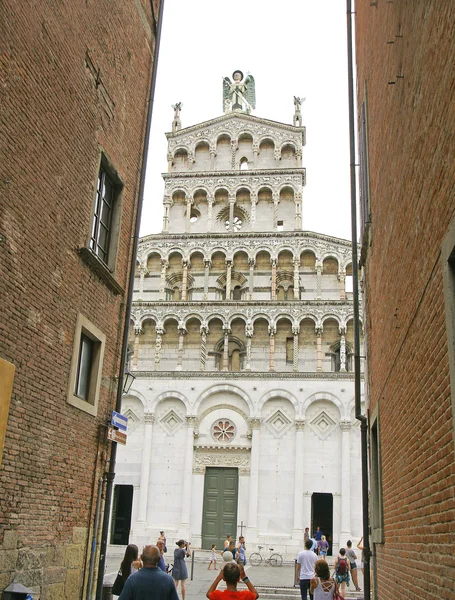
column 293, row 593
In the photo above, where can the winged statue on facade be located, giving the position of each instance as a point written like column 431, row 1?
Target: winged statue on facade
column 239, row 94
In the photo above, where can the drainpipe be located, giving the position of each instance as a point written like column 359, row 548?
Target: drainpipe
column 355, row 281
column 124, row 352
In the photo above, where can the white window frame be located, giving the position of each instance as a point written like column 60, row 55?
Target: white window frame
column 85, row 327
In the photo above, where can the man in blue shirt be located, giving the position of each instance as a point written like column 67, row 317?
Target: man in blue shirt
column 149, row 583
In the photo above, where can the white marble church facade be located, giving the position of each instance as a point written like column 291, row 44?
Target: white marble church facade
column 241, row 343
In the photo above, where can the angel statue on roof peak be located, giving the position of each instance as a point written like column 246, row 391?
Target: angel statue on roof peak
column 239, row 94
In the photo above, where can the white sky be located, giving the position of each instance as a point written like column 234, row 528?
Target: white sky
column 292, row 48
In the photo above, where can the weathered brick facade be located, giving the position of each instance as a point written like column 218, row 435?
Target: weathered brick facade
column 405, row 57
column 76, row 86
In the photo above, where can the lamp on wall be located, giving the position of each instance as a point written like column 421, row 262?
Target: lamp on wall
column 128, row 379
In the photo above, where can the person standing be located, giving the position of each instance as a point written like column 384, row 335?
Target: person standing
column 241, row 551
column 180, row 572
column 322, row 586
column 212, row 558
column 226, row 542
column 149, row 583
column 342, row 571
column 352, row 557
column 317, row 535
column 232, row 574
column 129, row 565
column 323, row 547
column 306, row 535
column 305, row 569
column 163, row 537
column 160, row 545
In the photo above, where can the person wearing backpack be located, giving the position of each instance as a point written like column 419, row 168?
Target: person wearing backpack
column 342, row 571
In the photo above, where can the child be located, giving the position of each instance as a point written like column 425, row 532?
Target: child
column 213, row 557
column 232, row 574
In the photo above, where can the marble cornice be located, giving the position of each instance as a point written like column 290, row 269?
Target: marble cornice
column 232, row 173
column 241, row 304
column 231, row 116
column 237, row 237
column 181, row 375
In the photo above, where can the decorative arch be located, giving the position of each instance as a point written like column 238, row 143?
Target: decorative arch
column 224, row 388
column 280, row 394
column 223, row 407
column 169, row 395
column 324, row 396
column 135, row 394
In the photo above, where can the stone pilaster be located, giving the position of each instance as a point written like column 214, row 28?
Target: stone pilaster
column 319, row 349
column 249, row 337
column 228, row 279
column 226, row 332
column 167, row 206
column 251, row 263
column 254, row 200
column 207, row 265
column 164, row 266
column 272, row 332
column 298, row 212
column 345, row 484
column 296, row 278
column 203, row 352
column 182, row 332
column 231, row 212
column 295, row 353
column 158, row 344
column 252, row 528
column 297, row 533
column 210, row 201
column 273, row 262
column 318, row 279
column 185, row 264
column 146, row 464
column 188, row 475
column 342, row 280
column 342, row 350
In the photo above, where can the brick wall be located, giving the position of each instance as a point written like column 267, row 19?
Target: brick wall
column 76, row 83
column 405, row 57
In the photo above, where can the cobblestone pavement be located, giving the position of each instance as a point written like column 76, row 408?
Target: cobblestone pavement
column 279, row 579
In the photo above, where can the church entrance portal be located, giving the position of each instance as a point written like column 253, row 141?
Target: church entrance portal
column 219, row 516
column 322, row 516
column 121, row 514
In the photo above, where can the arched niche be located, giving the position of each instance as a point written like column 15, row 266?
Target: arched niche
column 308, row 261
column 307, row 345
column 153, row 263
column 215, row 333
column 170, row 341
column 180, row 161
column 245, row 147
column 192, row 344
column 330, row 266
column 286, row 210
column 266, row 158
column 288, row 157
column 260, row 345
column 330, row 336
column 201, row 157
column 284, row 345
column 223, row 160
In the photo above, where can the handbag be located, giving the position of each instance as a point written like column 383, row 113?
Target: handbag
column 118, row 584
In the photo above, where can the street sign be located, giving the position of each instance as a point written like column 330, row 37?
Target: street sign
column 119, row 421
column 116, row 436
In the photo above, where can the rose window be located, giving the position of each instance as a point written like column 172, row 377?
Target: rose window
column 223, row 430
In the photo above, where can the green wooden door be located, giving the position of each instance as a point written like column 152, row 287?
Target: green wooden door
column 219, row 516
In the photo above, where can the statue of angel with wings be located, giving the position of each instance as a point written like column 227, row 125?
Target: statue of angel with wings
column 239, row 94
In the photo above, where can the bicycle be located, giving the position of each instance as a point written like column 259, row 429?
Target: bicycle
column 274, row 560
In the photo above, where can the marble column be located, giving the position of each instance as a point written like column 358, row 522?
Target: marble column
column 167, row 206
column 226, row 331
column 342, row 280
column 189, row 202
column 207, row 265
column 212, row 157
column 203, row 352
column 252, row 528
column 272, row 331
column 182, row 332
column 185, row 279
column 296, row 278
column 249, row 338
column 297, row 533
column 298, row 212
column 158, row 344
column 251, row 264
column 142, row 273
column 231, row 212
column 345, row 483
column 164, row 266
column 146, row 467
column 273, row 262
column 319, row 349
column 277, row 154
column 343, row 349
column 188, row 475
column 138, row 331
column 233, row 153
column 209, row 213
column 191, row 161
column 318, row 280
column 170, row 160
column 228, row 278
column 255, row 149
column 295, row 350
column 254, row 201
column 276, row 201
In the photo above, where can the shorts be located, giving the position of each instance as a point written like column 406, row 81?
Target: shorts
column 353, row 565
column 323, row 552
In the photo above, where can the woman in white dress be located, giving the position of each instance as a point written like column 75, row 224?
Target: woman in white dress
column 322, row 586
